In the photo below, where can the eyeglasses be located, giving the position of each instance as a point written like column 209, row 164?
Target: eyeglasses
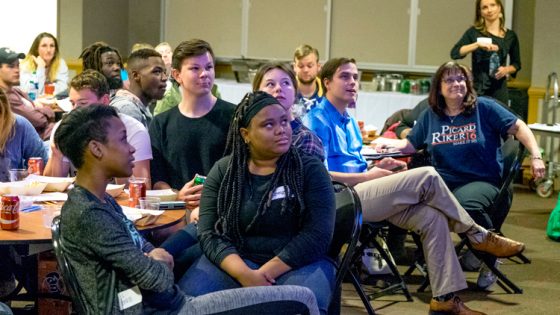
column 458, row 79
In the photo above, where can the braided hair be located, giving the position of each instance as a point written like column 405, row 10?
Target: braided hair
column 91, row 55
column 288, row 173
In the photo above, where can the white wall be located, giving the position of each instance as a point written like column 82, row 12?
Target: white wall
column 23, row 20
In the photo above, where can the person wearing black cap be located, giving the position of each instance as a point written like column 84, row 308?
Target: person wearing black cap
column 42, row 118
column 267, row 211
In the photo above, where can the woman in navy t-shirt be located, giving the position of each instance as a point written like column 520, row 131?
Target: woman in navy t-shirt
column 463, row 134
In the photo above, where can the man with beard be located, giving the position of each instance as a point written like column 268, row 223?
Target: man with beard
column 41, row 117
column 103, row 58
column 148, row 81
column 307, row 67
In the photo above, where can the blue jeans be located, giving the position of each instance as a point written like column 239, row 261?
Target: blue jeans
column 5, row 310
column 184, row 247
column 204, row 277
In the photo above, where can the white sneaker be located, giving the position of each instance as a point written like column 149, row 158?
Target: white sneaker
column 486, row 278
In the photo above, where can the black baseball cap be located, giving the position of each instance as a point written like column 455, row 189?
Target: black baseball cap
column 8, row 56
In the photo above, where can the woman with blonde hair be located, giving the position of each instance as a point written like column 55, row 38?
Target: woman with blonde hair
column 44, row 59
column 490, row 43
column 18, row 140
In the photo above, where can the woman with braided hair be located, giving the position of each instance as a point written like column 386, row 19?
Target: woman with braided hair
column 267, row 212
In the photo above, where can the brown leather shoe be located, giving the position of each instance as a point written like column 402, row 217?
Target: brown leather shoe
column 453, row 306
column 499, row 246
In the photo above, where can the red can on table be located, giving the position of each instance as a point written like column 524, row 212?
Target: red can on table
column 35, row 165
column 137, row 189
column 9, row 215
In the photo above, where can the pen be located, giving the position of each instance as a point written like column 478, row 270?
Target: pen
column 31, row 209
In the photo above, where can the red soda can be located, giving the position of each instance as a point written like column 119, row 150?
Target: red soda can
column 9, row 215
column 35, row 165
column 136, row 189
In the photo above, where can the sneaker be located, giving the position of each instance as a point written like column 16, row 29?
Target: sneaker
column 453, row 306
column 487, row 278
column 469, row 262
column 499, row 246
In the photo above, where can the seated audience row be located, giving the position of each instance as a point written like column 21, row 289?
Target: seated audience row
column 104, row 248
column 272, row 173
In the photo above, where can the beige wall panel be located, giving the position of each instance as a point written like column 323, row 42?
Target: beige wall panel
column 144, row 22
column 371, row 31
column 441, row 23
column 106, row 20
column 70, row 28
column 216, row 21
column 276, row 28
column 523, row 23
column 546, row 41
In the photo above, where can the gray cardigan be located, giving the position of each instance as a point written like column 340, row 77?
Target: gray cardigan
column 99, row 240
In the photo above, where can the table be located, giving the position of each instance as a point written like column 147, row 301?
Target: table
column 32, row 231
column 33, row 237
column 372, row 107
column 552, row 132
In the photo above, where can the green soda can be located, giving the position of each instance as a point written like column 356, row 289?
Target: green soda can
column 199, row 179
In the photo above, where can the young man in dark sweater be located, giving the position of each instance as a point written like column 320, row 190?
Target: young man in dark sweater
column 118, row 271
column 188, row 139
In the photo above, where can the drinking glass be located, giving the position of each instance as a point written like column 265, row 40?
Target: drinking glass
column 149, row 203
column 49, row 212
column 18, row 174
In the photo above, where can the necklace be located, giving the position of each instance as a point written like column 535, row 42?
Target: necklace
column 452, row 118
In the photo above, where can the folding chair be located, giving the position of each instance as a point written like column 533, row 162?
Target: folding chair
column 78, row 300
column 347, row 229
column 513, row 152
column 368, row 236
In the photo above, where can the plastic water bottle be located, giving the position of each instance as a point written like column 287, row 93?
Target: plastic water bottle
column 494, row 64
column 33, row 89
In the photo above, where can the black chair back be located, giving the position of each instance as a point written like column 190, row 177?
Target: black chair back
column 347, row 228
column 512, row 154
column 78, row 299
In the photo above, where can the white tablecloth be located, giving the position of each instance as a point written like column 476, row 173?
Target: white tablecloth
column 372, row 107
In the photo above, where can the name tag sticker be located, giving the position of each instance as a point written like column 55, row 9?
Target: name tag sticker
column 279, row 193
column 130, row 297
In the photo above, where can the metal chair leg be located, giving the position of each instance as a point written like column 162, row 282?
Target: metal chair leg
column 357, row 285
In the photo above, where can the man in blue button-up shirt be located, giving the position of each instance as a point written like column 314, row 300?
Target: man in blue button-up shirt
column 416, row 200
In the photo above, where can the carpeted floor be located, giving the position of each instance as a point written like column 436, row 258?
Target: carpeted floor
column 540, row 280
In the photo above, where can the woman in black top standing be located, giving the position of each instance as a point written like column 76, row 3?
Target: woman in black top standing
column 489, row 59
